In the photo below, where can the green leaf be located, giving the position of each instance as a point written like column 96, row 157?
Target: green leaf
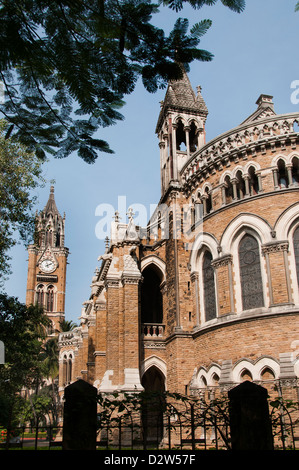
column 199, row 29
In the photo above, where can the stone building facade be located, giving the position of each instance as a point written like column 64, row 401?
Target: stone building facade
column 206, row 295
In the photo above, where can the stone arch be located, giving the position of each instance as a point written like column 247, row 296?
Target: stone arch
column 224, row 175
column 202, row 240
column 255, row 368
column 258, row 229
column 278, row 157
column 157, row 262
column 153, row 382
column 154, row 361
column 250, row 164
column 209, row 375
column 151, row 295
column 253, row 222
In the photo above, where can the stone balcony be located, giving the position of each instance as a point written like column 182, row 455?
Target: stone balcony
column 153, row 335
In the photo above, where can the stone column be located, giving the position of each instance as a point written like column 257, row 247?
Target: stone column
column 131, row 333
column 111, row 377
column 194, row 280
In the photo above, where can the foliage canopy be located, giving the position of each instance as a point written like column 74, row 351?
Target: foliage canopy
column 66, row 65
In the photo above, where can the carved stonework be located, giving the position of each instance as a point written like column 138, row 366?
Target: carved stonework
column 223, row 261
column 275, row 247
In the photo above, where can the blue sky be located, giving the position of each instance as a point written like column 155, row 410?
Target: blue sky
column 255, row 52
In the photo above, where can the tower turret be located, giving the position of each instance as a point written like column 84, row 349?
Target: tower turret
column 46, row 280
column 180, row 127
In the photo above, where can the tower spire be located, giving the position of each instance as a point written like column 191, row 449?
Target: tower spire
column 180, row 127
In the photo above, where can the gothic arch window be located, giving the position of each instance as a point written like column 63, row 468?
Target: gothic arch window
column 296, row 251
column 267, row 374
column 245, row 375
column 282, row 174
column 180, row 136
column 240, row 183
column 295, row 171
column 40, row 295
column 209, row 286
column 151, row 295
column 228, row 190
column 49, row 236
column 253, row 181
column 250, row 273
column 215, row 379
column 50, row 299
column 58, row 238
column 70, row 369
column 193, row 139
column 208, row 201
column 67, row 369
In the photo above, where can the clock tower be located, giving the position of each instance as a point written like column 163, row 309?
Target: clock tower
column 46, row 280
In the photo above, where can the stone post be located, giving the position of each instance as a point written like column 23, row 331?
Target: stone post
column 250, row 423
column 80, row 417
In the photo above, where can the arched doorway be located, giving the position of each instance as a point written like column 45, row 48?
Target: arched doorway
column 153, row 382
column 151, row 296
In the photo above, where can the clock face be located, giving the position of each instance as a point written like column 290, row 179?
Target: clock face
column 47, row 265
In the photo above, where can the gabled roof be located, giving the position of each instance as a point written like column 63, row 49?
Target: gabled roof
column 265, row 109
column 180, row 97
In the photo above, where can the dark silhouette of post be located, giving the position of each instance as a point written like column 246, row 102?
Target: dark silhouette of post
column 250, row 423
column 80, row 417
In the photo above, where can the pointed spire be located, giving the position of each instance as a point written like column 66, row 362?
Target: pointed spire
column 50, row 207
column 181, row 97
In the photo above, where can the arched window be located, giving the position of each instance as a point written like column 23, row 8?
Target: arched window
column 180, row 136
column 50, row 299
column 240, row 185
column 253, row 181
column 296, row 250
column 193, row 137
column 267, row 374
column 208, row 201
column 151, row 296
column 57, row 243
column 282, row 174
column 246, row 375
column 40, row 295
column 49, row 237
column 70, row 370
column 67, row 369
column 250, row 273
column 295, row 171
column 209, row 287
column 228, row 190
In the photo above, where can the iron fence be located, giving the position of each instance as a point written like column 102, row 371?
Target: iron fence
column 136, row 422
